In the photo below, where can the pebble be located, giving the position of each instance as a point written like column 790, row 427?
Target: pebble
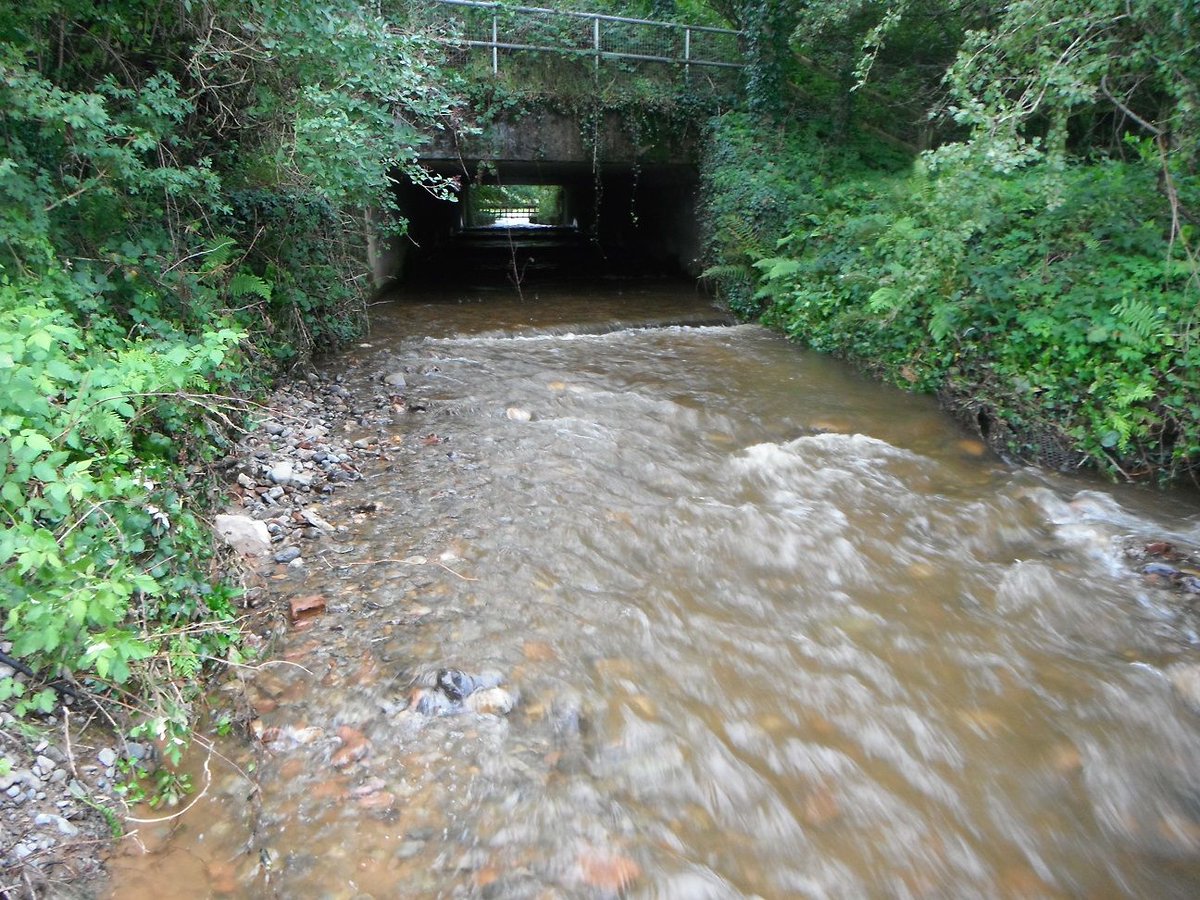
column 63, row 826
column 409, row 849
column 287, row 554
column 107, row 757
column 516, row 414
column 281, row 473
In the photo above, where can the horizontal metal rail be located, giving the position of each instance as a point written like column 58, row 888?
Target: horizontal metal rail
column 604, row 54
column 576, row 14
column 608, row 37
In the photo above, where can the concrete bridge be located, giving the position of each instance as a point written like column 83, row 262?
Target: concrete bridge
column 627, row 185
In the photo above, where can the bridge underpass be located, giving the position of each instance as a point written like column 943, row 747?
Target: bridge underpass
column 627, row 196
column 627, row 222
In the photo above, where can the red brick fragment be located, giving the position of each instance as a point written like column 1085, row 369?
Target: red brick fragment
column 306, row 607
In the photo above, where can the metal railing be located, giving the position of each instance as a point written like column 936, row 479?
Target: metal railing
column 498, row 27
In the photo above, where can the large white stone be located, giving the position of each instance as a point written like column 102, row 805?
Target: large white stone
column 245, row 535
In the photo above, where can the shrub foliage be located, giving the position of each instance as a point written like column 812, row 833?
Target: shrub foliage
column 183, row 188
column 1038, row 267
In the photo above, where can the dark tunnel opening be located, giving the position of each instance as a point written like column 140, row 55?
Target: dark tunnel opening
column 539, row 224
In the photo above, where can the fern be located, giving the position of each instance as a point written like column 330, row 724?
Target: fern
column 728, row 272
column 217, row 253
column 1142, row 323
column 777, row 267
column 244, row 283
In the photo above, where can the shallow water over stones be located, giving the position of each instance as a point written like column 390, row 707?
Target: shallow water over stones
column 747, row 625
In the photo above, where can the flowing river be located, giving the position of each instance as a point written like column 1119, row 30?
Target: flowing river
column 769, row 629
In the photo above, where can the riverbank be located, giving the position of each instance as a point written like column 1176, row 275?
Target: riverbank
column 1047, row 305
column 69, row 795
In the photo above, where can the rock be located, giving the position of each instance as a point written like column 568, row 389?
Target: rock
column 246, row 481
column 607, row 871
column 1161, row 569
column 643, row 705
column 380, row 800
column 396, row 380
column 272, row 428
column 409, row 849
column 46, row 764
column 370, row 786
column 247, row 536
column 516, row 414
column 107, row 757
column 64, row 827
column 316, row 521
column 1185, row 679
column 287, row 554
column 427, row 702
column 354, row 747
column 282, row 472
column 306, row 607
column 455, row 684
column 494, row 701
column 137, row 751
column 566, row 714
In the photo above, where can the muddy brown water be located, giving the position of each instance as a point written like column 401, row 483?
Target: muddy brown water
column 772, row 629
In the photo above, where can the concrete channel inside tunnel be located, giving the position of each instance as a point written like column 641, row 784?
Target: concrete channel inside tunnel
column 625, row 222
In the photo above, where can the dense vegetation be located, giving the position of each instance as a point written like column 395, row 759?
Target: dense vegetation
column 182, row 196
column 1036, row 265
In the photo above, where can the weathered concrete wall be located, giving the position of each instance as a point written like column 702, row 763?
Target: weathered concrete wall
column 564, row 140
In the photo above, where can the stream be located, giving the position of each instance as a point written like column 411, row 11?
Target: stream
column 766, row 628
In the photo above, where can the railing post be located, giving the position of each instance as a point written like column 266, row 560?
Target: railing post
column 596, row 40
column 495, row 42
column 687, row 55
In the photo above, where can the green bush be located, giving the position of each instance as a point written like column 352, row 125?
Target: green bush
column 183, row 197
column 1046, row 302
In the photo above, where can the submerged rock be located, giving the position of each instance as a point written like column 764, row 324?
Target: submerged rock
column 455, row 691
column 494, row 701
column 455, row 684
column 1185, row 679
